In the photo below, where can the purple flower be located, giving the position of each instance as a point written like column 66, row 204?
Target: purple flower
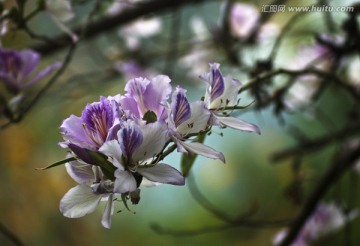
column 136, row 144
column 326, row 219
column 18, row 69
column 221, row 92
column 145, row 95
column 243, row 19
column 92, row 129
column 185, row 119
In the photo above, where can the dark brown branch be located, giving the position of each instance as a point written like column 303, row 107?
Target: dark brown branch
column 111, row 22
column 330, row 177
column 296, row 73
column 319, row 143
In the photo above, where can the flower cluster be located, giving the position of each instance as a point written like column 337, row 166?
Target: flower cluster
column 326, row 219
column 119, row 143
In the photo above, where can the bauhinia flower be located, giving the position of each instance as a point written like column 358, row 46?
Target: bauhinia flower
column 145, row 96
column 221, row 95
column 130, row 154
column 18, row 69
column 92, row 129
column 189, row 118
column 326, row 219
column 84, row 198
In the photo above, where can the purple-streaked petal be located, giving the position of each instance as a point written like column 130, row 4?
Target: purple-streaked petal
column 113, row 132
column 216, row 82
column 72, row 130
column 154, row 139
column 162, row 173
column 80, row 172
column 130, row 138
column 130, row 106
column 124, row 182
column 198, row 121
column 135, row 89
column 112, row 149
column 180, row 106
column 156, row 93
column 108, row 212
column 97, row 118
column 238, row 124
column 79, row 201
column 204, row 150
column 230, row 95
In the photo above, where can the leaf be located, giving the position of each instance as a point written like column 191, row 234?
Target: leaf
column 150, row 117
column 101, row 160
column 57, row 163
column 188, row 159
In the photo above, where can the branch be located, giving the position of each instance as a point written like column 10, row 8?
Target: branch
column 330, row 177
column 319, row 143
column 8, row 234
column 238, row 221
column 296, row 73
column 111, row 22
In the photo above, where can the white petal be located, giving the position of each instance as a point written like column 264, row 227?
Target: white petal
column 154, row 139
column 108, row 212
column 162, row 173
column 80, row 172
column 79, row 201
column 198, row 120
column 204, row 150
column 124, row 182
column 113, row 150
column 147, row 183
column 238, row 124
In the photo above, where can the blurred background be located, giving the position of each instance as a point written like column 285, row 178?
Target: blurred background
column 180, row 42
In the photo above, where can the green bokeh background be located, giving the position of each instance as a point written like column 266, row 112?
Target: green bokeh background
column 29, row 199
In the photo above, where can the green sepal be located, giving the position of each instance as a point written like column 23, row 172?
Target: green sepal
column 188, row 159
column 57, row 163
column 101, row 160
column 150, row 117
column 124, row 200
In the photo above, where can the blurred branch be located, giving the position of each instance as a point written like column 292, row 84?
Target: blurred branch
column 319, row 143
column 110, row 22
column 11, row 236
column 296, row 73
column 330, row 177
column 238, row 221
